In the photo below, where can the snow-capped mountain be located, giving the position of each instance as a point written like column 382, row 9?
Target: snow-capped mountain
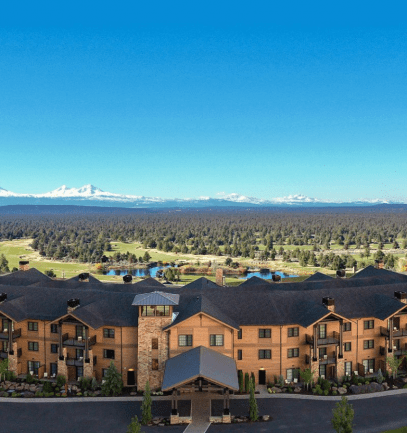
column 90, row 195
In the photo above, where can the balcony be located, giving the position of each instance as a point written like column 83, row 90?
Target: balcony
column 326, row 360
column 401, row 350
column 77, row 342
column 328, row 340
column 16, row 334
column 307, row 360
column 76, row 362
column 3, row 355
column 397, row 333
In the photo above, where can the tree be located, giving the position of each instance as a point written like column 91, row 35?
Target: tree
column 228, row 261
column 50, row 273
column 113, row 383
column 3, row 264
column 393, row 363
column 306, row 377
column 3, row 368
column 246, row 382
column 343, row 416
column 253, row 409
column 241, row 387
column 146, row 415
column 134, row 426
column 146, row 257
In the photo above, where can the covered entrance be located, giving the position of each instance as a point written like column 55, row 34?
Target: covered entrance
column 262, row 377
column 200, row 370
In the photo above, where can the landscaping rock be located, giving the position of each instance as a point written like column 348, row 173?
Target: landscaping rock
column 404, row 380
column 4, row 394
column 342, row 390
column 132, row 393
column 365, row 389
column 334, row 388
column 395, row 387
column 276, row 390
column 266, row 417
column 297, row 389
column 96, row 393
column 28, row 394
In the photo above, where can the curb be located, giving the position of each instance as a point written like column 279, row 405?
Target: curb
column 232, row 397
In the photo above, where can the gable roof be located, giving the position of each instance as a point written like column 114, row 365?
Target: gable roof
column 252, row 281
column 23, row 278
column 92, row 280
column 371, row 271
column 200, row 362
column 149, row 282
column 318, row 276
column 201, row 284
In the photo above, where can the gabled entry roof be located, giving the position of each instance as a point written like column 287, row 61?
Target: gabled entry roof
column 156, row 298
column 200, row 362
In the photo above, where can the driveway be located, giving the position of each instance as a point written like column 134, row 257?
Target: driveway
column 289, row 416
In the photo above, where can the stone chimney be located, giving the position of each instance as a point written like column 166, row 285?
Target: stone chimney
column 329, row 303
column 219, row 276
column 84, row 277
column 23, row 265
column 341, row 273
column 401, row 296
column 127, row 279
column 355, row 269
column 72, row 304
column 379, row 264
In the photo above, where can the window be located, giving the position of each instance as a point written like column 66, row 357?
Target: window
column 368, row 364
column 154, row 365
column 239, row 355
column 54, row 348
column 108, row 333
column 33, row 367
column 347, row 326
column 33, row 345
column 368, row 344
column 322, row 352
column 53, row 371
column 239, row 334
column 368, row 324
column 348, row 369
column 185, row 340
column 108, row 353
column 33, row 326
column 293, row 332
column 264, row 354
column 347, row 347
column 322, row 331
column 5, row 325
column 216, row 340
column 293, row 353
column 80, row 331
column 264, row 333
column 79, row 353
column 155, row 310
column 154, row 343
column 79, row 372
column 54, row 328
column 293, row 373
column 322, row 370
column 104, row 372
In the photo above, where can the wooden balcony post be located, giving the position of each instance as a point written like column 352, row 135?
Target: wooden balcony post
column 61, row 356
column 315, row 347
column 86, row 343
column 391, row 335
column 10, row 337
column 341, row 338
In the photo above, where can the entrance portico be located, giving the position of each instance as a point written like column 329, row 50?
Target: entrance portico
column 200, row 370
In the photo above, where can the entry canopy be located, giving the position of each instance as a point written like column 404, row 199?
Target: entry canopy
column 156, row 298
column 200, row 362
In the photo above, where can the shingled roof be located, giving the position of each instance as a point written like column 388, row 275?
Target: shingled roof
column 24, row 278
column 318, row 276
column 254, row 281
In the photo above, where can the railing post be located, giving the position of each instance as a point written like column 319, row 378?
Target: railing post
column 341, row 338
column 61, row 356
column 391, row 335
column 86, row 344
column 10, row 338
column 315, row 356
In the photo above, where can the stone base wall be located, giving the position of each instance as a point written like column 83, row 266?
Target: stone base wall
column 12, row 360
column 88, row 366
column 62, row 367
column 174, row 419
column 149, row 328
column 340, row 368
column 315, row 370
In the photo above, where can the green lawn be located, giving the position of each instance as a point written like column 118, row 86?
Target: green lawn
column 398, row 430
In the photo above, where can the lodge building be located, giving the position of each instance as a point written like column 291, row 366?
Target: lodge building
column 201, row 334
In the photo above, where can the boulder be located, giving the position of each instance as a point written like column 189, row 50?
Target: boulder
column 132, row 393
column 404, row 380
column 395, row 387
column 297, row 389
column 28, row 394
column 385, row 387
column 334, row 388
column 276, row 390
column 342, row 390
column 265, row 417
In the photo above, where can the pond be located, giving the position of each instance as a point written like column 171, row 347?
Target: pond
column 267, row 274
column 140, row 272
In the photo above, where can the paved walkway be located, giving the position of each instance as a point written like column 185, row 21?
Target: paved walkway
column 200, row 411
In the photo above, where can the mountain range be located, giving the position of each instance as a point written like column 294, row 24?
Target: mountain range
column 90, row 195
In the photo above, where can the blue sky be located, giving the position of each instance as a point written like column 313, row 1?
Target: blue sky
column 183, row 99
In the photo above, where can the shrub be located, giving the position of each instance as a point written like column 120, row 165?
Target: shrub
column 84, row 384
column 146, row 415
column 29, row 379
column 113, row 384
column 355, row 379
column 334, row 392
column 314, row 390
column 241, row 389
column 345, row 386
column 9, row 375
column 319, row 392
column 343, row 416
column 47, row 387
column 281, row 380
column 326, row 392
column 275, row 380
column 253, row 409
column 61, row 380
column 246, row 382
column 290, row 389
column 79, row 394
column 380, row 377
column 405, row 386
column 94, row 384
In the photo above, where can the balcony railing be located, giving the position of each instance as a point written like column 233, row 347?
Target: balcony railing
column 328, row 340
column 307, row 360
column 77, row 362
column 382, row 351
column 19, row 352
column 397, row 351
column 16, row 334
column 3, row 355
column 77, row 342
column 328, row 359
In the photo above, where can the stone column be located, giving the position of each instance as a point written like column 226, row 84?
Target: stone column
column 391, row 335
column 88, row 366
column 61, row 355
column 86, row 344
column 12, row 358
column 315, row 346
column 62, row 367
column 340, row 356
column 10, row 338
column 174, row 418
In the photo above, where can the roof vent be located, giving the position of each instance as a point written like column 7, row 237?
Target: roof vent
column 73, row 303
column 3, row 297
column 24, row 265
column 128, row 279
column 341, row 273
column 276, row 278
column 83, row 277
column 328, row 301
